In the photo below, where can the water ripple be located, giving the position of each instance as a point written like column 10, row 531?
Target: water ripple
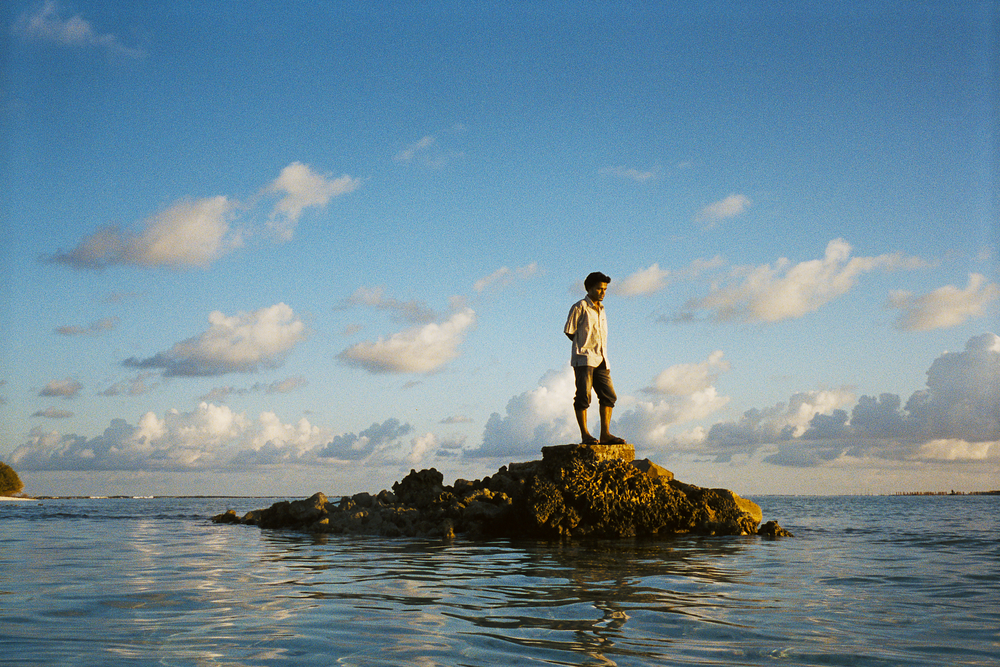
column 881, row 581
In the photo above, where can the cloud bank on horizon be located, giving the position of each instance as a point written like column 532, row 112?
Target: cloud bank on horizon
column 956, row 417
column 235, row 255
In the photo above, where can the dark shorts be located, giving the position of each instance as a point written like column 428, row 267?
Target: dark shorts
column 597, row 379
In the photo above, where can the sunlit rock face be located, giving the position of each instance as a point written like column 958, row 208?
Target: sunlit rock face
column 575, row 491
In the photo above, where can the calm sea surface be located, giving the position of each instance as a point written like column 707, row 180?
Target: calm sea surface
column 866, row 581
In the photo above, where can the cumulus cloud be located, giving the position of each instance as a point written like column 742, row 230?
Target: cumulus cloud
column 421, row 447
column 197, row 232
column 778, row 423
column 421, row 349
column 654, row 279
column 48, row 23
column 243, row 343
column 92, row 329
column 191, row 233
column 771, row 293
column 505, row 276
column 684, row 379
column 947, row 306
column 651, row 422
column 629, row 173
column 544, row 415
column 354, row 447
column 302, row 188
column 537, row 418
column 729, row 207
column 645, row 281
column 208, row 437
column 374, row 297
column 684, row 393
column 53, row 413
column 67, row 388
column 955, row 418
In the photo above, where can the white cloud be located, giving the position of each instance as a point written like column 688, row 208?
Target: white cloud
column 944, row 307
column 303, row 188
column 46, row 23
column 955, row 418
column 189, row 233
column 649, row 423
column 629, row 173
column 196, row 232
column 645, row 281
column 421, row 446
column 952, row 449
column 505, row 276
column 208, row 437
column 418, row 350
column 686, row 393
column 771, row 293
column 243, row 343
column 374, row 297
column 537, row 418
column 684, row 379
column 67, row 388
column 729, row 207
column 779, row 423
column 654, row 279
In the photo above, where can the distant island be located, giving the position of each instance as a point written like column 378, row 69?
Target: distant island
column 947, row 493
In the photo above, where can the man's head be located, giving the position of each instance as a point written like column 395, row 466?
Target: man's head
column 595, row 284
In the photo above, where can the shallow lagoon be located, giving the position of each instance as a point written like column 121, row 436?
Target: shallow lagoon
column 866, row 581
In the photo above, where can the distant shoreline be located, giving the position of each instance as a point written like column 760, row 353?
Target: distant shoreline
column 946, row 493
column 126, row 497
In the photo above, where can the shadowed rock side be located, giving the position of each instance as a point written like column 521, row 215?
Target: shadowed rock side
column 575, row 491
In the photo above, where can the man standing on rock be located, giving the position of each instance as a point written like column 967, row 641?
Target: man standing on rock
column 587, row 327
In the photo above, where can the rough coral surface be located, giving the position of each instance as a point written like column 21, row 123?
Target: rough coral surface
column 575, row 494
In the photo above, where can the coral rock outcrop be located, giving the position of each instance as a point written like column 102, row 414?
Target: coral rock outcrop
column 575, row 491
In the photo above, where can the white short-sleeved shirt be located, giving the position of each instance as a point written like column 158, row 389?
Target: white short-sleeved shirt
column 588, row 325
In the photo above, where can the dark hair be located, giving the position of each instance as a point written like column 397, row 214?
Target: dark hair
column 594, row 278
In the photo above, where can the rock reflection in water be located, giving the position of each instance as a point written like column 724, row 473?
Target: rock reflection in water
column 521, row 597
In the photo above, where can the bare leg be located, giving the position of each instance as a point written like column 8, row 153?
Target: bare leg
column 606, row 424
column 581, row 420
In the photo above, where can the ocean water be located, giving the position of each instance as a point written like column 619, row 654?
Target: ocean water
column 902, row 580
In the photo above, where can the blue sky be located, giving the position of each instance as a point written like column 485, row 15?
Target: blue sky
column 262, row 250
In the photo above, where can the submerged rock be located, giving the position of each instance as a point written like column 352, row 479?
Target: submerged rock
column 575, row 491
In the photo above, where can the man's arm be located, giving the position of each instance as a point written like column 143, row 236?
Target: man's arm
column 571, row 322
